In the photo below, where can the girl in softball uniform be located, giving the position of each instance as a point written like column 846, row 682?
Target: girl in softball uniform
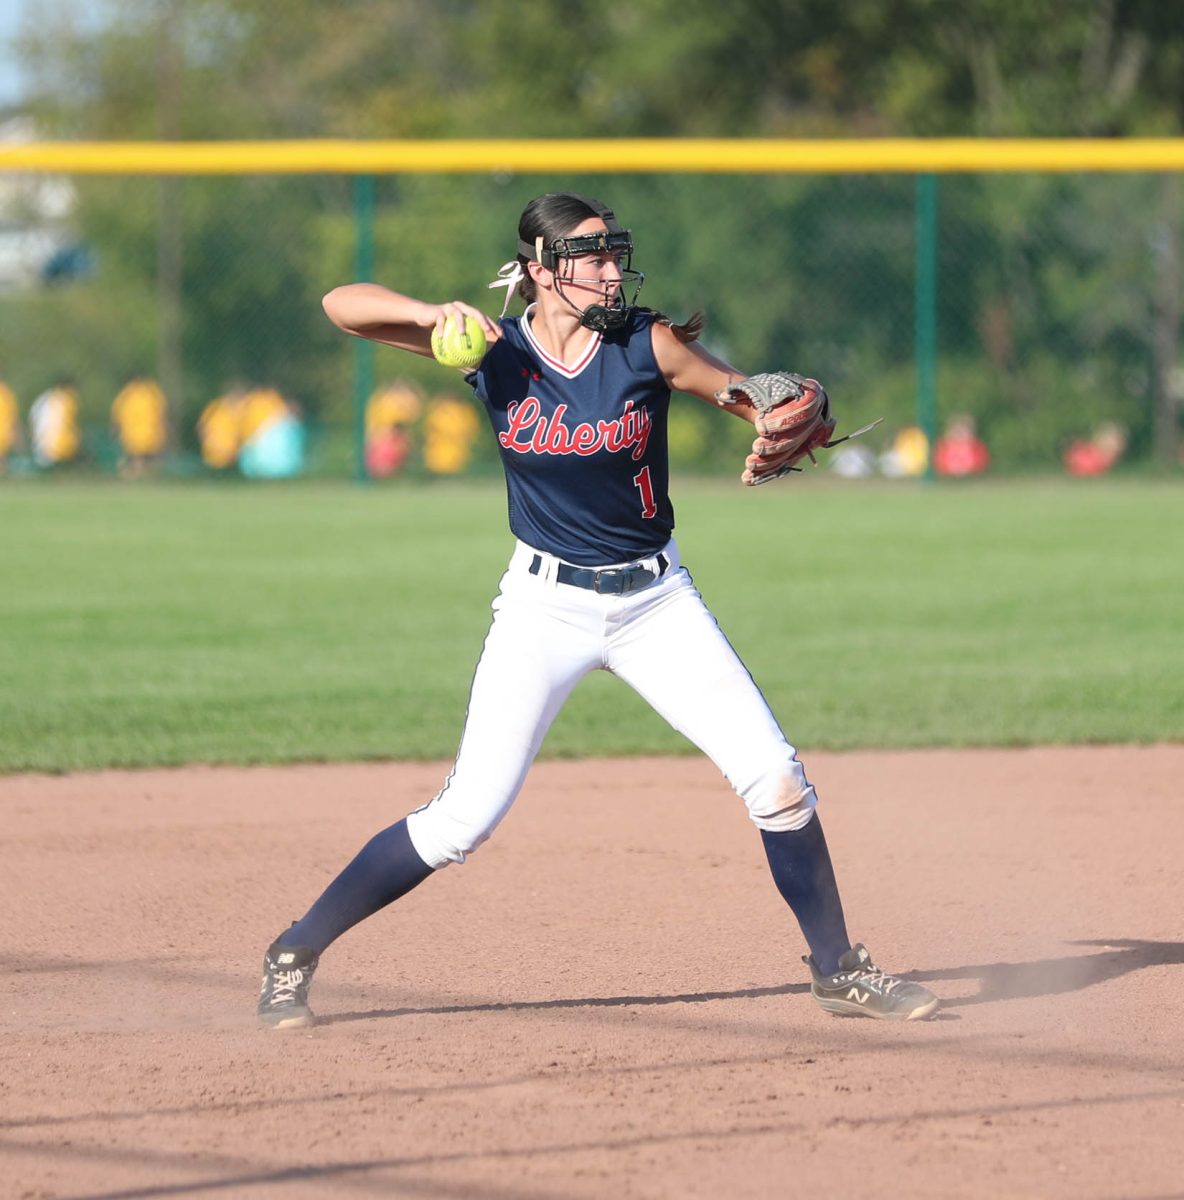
column 577, row 390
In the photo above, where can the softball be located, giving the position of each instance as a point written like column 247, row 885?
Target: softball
column 459, row 347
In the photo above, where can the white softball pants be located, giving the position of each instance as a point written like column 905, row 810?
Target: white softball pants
column 662, row 641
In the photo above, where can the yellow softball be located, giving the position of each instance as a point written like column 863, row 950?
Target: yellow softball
column 456, row 347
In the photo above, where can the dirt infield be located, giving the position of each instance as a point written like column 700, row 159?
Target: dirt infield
column 607, row 1000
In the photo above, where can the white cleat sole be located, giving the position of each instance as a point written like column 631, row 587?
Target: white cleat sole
column 845, row 1008
column 302, row 1020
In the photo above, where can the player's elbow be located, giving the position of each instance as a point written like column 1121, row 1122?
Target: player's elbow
column 336, row 306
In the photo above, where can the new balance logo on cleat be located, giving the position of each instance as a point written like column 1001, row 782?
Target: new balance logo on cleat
column 283, row 995
column 860, row 989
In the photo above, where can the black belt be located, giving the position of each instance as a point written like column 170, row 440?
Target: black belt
column 614, row 581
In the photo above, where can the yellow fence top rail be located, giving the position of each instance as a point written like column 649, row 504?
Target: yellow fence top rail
column 624, row 156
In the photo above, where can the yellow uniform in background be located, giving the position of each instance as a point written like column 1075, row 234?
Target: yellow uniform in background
column 450, row 428
column 908, row 455
column 10, row 422
column 394, row 404
column 218, row 430
column 139, row 415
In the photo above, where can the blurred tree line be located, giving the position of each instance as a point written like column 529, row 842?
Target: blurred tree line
column 1059, row 294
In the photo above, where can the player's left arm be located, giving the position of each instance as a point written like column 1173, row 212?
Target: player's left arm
column 791, row 413
column 688, row 367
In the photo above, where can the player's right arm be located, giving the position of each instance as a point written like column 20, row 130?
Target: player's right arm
column 369, row 310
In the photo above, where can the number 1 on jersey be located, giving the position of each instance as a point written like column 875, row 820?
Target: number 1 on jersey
column 642, row 482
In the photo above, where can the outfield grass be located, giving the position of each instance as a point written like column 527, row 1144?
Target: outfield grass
column 158, row 624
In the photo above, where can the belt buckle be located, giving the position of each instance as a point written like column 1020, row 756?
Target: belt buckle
column 610, row 572
column 627, row 579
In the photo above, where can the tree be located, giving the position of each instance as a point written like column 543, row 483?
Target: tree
column 1051, row 287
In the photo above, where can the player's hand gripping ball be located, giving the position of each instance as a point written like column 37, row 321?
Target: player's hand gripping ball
column 459, row 347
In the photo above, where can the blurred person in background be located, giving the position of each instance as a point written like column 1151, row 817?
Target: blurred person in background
column 53, row 425
column 1097, row 454
column 853, row 461
column 139, row 416
column 450, row 429
column 260, row 407
column 218, row 429
column 11, row 438
column 908, row 454
column 390, row 412
column 960, row 451
column 272, row 436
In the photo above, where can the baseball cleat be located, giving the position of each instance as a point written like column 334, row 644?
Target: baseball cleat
column 860, row 989
column 283, row 997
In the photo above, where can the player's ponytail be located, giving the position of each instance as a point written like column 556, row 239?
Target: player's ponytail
column 688, row 331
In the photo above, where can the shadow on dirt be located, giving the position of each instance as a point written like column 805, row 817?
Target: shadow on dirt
column 1053, row 976
column 785, row 989
column 997, row 981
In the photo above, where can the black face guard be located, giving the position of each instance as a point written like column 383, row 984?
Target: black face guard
column 612, row 240
column 614, row 313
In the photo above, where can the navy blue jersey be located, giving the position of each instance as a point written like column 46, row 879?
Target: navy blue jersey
column 583, row 445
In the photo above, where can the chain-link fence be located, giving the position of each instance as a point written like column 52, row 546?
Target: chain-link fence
column 1042, row 309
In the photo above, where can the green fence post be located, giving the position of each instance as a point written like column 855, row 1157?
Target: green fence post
column 363, row 348
column 925, row 311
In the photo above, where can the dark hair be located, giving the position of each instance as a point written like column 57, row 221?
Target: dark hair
column 555, row 214
column 548, row 217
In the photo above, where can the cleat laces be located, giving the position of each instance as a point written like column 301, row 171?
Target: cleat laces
column 881, row 979
column 872, row 977
column 285, row 986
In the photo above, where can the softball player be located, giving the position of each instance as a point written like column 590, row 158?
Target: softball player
column 577, row 391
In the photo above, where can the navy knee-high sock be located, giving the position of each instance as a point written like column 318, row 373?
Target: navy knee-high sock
column 386, row 868
column 805, row 877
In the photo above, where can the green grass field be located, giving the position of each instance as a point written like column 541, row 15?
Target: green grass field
column 160, row 624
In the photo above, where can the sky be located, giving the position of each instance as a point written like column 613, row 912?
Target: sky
column 13, row 14
column 10, row 75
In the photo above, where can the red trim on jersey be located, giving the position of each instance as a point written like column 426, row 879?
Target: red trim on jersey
column 561, row 368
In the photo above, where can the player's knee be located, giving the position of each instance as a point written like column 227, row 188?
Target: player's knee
column 440, row 839
column 781, row 800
